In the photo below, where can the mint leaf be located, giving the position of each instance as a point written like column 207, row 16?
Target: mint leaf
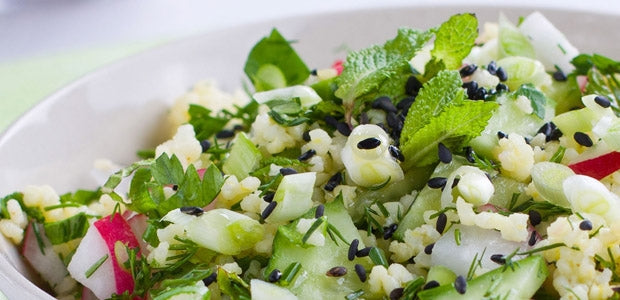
column 439, row 92
column 537, row 98
column 366, row 70
column 68, row 229
column 273, row 63
column 454, row 40
column 454, row 127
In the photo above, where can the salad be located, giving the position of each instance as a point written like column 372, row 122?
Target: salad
column 442, row 164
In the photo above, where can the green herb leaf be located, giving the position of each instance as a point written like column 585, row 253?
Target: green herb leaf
column 367, row 70
column 68, row 229
column 536, row 97
column 454, row 40
column 378, row 257
column 92, row 269
column 273, row 63
column 454, row 127
column 205, row 125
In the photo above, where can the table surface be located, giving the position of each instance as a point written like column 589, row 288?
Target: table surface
column 53, row 42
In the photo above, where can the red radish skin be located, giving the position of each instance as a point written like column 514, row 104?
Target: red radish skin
column 115, row 229
column 338, row 66
column 598, row 167
column 138, row 225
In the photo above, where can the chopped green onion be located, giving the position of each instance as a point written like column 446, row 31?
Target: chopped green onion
column 95, row 266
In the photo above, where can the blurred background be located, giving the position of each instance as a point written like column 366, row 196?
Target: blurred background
column 45, row 44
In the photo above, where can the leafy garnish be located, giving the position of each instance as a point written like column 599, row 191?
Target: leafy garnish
column 536, row 97
column 377, row 256
column 545, row 208
column 453, row 41
column 367, row 70
column 232, row 285
column 602, row 75
column 205, row 125
column 89, row 272
column 273, row 63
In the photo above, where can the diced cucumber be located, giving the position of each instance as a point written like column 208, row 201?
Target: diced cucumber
column 269, row 77
column 575, row 120
column 262, row 290
column 311, row 282
column 508, row 118
column 225, row 231
column 522, row 70
column 244, row 157
column 307, row 96
column 547, row 178
column 520, row 282
column 440, row 274
column 294, row 197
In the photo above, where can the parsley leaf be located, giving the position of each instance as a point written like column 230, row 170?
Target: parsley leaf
column 204, row 124
column 146, row 189
column 537, row 98
column 273, row 63
column 440, row 114
column 453, row 41
column 367, row 70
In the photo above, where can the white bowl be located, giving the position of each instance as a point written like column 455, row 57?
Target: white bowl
column 118, row 109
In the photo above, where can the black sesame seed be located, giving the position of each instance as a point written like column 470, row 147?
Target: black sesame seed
column 397, row 293
column 268, row 210
column 498, row 258
column 338, row 271
column 431, row 284
column 389, row 231
column 320, row 211
column 455, row 182
column 533, row 238
column 331, row 121
column 546, row 128
column 559, row 75
column 469, row 154
column 287, row 171
column 333, row 182
column 394, row 121
column 535, row 217
column 361, row 272
column 442, row 220
column 353, row 249
column 175, row 187
column 500, row 87
column 585, row 225
column 445, row 156
column 468, row 70
column 501, row 74
column 306, row 136
column 269, row 197
column 343, row 128
column 555, row 135
column 238, row 127
column 460, row 284
column 192, row 210
column 307, row 155
column 313, row 72
column 412, row 86
column 501, row 135
column 405, row 103
column 395, row 152
column 481, row 94
column 210, row 279
column 369, row 143
column 274, row 276
column 583, row 139
column 429, row 248
column 205, row 144
column 472, row 88
column 492, row 67
column 602, row 101
column 384, row 103
column 437, row 182
column 224, row 134
column 363, row 252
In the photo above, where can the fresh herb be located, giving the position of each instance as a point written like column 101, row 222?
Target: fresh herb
column 232, row 285
column 315, row 225
column 273, row 63
column 205, row 125
column 475, row 264
column 545, row 208
column 92, row 269
column 146, row 153
column 536, row 97
column 602, row 75
column 378, row 257
column 289, row 274
column 365, row 71
column 558, row 155
column 354, row 295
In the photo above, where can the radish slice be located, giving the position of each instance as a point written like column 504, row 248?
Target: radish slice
column 598, row 167
column 43, row 258
column 97, row 261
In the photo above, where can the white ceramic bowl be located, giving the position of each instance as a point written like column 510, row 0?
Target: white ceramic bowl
column 120, row 108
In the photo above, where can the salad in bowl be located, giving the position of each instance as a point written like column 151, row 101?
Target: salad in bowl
column 464, row 161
